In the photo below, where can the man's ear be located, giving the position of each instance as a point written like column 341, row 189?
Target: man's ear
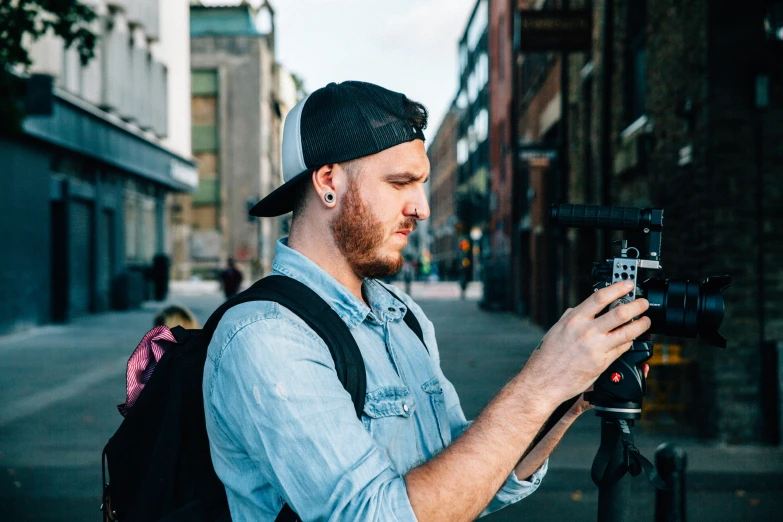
column 324, row 180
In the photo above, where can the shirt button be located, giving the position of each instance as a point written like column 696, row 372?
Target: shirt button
column 405, row 408
column 537, row 482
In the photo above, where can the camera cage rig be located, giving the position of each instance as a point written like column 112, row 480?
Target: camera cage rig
column 619, row 391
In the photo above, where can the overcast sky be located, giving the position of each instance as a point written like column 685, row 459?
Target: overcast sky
column 405, row 45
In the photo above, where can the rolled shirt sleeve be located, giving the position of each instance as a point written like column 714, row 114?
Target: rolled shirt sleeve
column 515, row 490
column 280, row 401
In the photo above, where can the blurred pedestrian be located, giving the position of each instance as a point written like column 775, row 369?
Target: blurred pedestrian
column 465, row 276
column 176, row 315
column 231, row 279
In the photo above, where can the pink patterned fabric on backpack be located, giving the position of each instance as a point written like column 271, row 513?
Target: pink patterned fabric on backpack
column 142, row 362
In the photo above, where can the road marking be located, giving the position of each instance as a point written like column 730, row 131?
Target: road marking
column 62, row 393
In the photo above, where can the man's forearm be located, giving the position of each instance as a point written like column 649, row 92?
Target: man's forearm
column 461, row 481
column 535, row 459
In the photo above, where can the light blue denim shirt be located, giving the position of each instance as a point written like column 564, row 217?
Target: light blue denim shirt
column 282, row 428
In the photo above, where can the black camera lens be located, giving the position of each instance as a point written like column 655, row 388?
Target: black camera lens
column 687, row 308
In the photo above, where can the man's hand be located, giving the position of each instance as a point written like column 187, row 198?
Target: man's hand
column 581, row 405
column 582, row 344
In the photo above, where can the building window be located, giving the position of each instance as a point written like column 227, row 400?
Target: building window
column 472, row 139
column 131, row 227
column 478, row 24
column 147, row 240
column 462, row 151
column 473, row 87
column 481, row 125
column 462, row 100
column 204, row 82
column 636, row 61
column 482, row 70
column 140, row 227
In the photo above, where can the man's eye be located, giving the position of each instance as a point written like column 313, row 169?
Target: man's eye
column 399, row 183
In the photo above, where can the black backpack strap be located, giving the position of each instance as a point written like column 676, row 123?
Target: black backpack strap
column 410, row 319
column 319, row 316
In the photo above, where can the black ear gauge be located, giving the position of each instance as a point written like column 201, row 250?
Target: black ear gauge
column 329, row 197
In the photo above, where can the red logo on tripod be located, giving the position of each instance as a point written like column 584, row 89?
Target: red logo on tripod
column 616, row 377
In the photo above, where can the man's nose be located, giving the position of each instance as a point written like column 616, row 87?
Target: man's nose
column 422, row 209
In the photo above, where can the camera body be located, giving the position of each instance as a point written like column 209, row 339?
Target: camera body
column 678, row 307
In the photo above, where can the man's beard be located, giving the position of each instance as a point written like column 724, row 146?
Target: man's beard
column 359, row 235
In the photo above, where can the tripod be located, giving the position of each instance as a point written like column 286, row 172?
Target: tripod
column 617, row 396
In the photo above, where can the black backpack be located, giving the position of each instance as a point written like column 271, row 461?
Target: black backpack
column 158, row 460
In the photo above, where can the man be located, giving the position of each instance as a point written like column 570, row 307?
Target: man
column 283, row 429
column 231, row 279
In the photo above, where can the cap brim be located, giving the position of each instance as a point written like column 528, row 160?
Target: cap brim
column 280, row 201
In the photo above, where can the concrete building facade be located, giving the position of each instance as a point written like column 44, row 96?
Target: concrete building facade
column 87, row 183
column 240, row 96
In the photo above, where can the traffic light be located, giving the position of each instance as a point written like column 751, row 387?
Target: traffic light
column 464, row 245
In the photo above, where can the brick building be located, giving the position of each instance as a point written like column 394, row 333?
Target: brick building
column 536, row 107
column 669, row 104
column 442, row 153
column 501, row 160
column 683, row 109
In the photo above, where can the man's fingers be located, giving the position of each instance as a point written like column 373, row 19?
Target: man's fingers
column 602, row 298
column 621, row 315
column 625, row 334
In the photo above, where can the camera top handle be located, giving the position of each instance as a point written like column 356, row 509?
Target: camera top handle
column 646, row 224
column 607, row 217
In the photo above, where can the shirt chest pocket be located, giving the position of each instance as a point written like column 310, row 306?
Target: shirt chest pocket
column 433, row 389
column 387, row 412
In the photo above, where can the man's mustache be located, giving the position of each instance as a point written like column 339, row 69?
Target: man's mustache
column 408, row 224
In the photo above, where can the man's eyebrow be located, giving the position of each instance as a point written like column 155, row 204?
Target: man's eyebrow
column 407, row 177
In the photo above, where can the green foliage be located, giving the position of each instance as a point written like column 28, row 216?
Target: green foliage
column 68, row 19
column 24, row 21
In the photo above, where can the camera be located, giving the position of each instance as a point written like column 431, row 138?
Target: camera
column 678, row 307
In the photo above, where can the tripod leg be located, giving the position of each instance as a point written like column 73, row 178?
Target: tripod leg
column 614, row 499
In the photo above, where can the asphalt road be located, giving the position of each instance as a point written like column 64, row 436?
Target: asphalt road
column 60, row 386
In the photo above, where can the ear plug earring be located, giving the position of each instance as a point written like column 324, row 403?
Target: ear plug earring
column 329, row 197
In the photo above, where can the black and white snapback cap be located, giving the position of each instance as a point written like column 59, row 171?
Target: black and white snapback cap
column 337, row 123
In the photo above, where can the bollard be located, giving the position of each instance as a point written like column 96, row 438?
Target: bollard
column 670, row 461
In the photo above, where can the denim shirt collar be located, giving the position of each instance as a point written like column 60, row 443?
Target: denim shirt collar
column 352, row 310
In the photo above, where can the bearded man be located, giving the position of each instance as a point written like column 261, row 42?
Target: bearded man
column 282, row 428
